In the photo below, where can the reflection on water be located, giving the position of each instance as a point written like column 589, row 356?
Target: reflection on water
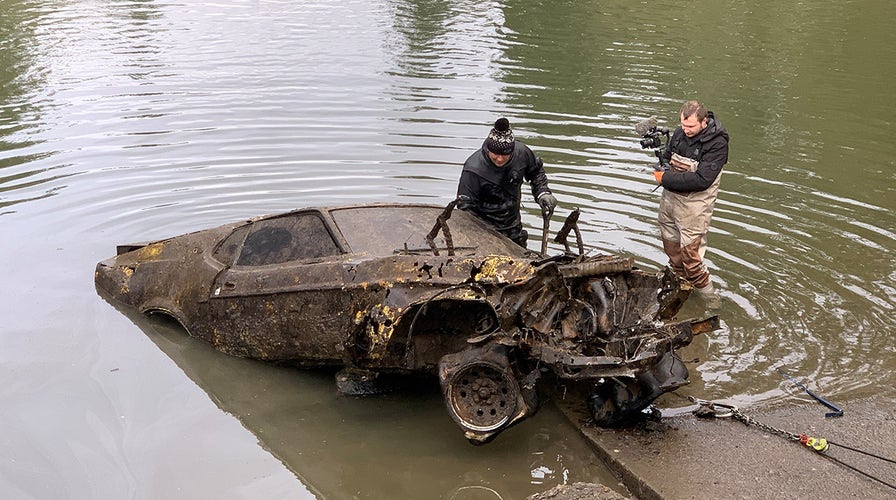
column 398, row 445
column 130, row 121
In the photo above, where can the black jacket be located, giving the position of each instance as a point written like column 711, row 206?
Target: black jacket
column 709, row 147
column 493, row 193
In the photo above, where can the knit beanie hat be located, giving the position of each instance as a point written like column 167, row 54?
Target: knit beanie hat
column 500, row 139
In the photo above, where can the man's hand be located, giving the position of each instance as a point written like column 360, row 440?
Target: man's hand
column 464, row 202
column 658, row 175
column 547, row 202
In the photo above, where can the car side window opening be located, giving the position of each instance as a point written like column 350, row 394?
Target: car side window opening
column 227, row 249
column 285, row 239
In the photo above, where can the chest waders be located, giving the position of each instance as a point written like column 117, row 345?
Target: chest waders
column 684, row 221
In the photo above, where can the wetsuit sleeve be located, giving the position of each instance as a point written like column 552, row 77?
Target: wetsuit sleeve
column 711, row 163
column 537, row 178
column 468, row 191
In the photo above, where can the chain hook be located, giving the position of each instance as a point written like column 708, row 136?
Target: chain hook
column 710, row 409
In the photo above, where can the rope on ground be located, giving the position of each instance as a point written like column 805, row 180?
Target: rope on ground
column 710, row 409
column 864, row 452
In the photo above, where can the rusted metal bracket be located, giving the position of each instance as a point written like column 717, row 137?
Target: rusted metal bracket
column 546, row 226
column 571, row 224
column 442, row 224
column 579, row 367
column 706, row 325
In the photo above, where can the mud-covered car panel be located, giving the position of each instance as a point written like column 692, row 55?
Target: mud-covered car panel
column 401, row 288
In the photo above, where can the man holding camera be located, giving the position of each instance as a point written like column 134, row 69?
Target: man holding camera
column 491, row 182
column 693, row 161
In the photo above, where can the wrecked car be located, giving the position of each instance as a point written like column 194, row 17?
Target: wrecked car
column 375, row 289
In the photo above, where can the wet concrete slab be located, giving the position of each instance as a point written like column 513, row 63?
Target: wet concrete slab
column 683, row 457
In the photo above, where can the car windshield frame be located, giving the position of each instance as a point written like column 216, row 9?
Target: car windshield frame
column 237, row 240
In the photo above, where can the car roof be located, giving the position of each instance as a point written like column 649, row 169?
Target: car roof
column 394, row 228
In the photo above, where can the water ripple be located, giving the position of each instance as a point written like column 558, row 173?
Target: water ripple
column 126, row 122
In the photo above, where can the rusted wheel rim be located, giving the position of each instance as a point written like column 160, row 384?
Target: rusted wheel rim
column 482, row 397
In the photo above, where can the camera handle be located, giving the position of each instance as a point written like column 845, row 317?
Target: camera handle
column 660, row 151
column 662, row 164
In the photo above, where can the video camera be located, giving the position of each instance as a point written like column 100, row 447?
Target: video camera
column 652, row 138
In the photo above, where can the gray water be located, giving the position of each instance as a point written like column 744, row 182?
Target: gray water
column 128, row 121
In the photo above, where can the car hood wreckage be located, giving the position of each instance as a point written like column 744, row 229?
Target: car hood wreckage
column 395, row 289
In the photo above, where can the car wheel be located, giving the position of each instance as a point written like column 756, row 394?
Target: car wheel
column 482, row 397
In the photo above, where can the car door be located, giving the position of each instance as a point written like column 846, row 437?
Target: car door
column 282, row 298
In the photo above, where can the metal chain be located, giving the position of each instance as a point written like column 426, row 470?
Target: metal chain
column 720, row 410
column 748, row 420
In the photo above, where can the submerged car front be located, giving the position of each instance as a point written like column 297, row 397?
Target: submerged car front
column 172, row 275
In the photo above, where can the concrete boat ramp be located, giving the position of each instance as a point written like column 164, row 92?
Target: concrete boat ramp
column 686, row 457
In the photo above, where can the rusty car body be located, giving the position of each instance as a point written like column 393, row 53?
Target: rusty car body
column 416, row 288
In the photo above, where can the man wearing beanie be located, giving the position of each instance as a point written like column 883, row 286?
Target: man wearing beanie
column 491, row 182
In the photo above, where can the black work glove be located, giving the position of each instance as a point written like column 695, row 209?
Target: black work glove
column 464, row 202
column 547, row 203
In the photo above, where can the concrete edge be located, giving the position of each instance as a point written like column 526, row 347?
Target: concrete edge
column 679, row 455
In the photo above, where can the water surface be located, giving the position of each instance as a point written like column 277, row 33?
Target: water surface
column 128, row 121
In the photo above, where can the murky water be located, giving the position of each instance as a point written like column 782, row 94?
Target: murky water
column 126, row 121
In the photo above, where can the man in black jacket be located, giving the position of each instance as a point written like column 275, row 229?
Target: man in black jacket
column 491, row 182
column 698, row 149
